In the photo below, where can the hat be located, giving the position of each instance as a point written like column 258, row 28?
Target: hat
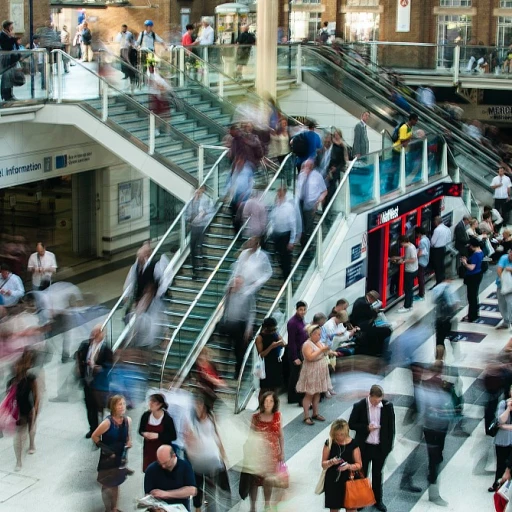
column 148, row 23
column 311, row 328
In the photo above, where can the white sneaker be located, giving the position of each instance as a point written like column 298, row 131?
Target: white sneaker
column 404, row 310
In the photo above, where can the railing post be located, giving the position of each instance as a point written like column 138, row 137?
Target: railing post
column 200, row 164
column 183, row 233
column 182, row 66
column 298, row 65
column 206, row 71
column 444, row 160
column 402, row 181
column 374, row 56
column 456, row 64
column 424, row 163
column 318, row 252
column 376, row 179
column 152, row 133
column 383, row 139
column 290, row 308
column 49, row 75
column 216, row 184
column 347, row 197
column 456, row 175
column 104, row 101
column 221, row 86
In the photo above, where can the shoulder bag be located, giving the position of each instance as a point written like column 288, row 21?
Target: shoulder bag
column 319, row 489
column 358, row 491
column 506, row 282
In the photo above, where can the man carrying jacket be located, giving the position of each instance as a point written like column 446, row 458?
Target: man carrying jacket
column 373, row 420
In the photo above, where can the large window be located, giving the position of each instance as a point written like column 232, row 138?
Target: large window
column 361, row 26
column 455, row 3
column 305, row 25
column 450, row 30
column 504, row 32
column 506, row 4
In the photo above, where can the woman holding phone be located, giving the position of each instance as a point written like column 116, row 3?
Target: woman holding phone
column 340, row 456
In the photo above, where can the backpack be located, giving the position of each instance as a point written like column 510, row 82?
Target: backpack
column 396, row 132
column 300, row 145
column 350, row 152
column 324, row 36
column 141, row 37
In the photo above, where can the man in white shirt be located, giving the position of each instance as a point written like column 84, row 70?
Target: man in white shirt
column 42, row 265
column 125, row 40
column 501, row 185
column 283, row 223
column 207, row 35
column 311, row 191
column 441, row 237
column 11, row 287
column 147, row 38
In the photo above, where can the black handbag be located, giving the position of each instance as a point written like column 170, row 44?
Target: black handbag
column 493, row 428
column 18, row 78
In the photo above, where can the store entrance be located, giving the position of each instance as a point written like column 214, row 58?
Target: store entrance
column 383, row 244
column 59, row 212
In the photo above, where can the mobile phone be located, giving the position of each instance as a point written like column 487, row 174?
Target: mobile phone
column 343, row 464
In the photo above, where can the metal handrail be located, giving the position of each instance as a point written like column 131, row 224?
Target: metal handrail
column 189, row 360
column 127, row 98
column 288, row 280
column 176, row 221
column 439, row 123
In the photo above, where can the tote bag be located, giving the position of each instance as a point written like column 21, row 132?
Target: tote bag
column 259, row 368
column 358, row 492
column 319, row 489
column 506, row 282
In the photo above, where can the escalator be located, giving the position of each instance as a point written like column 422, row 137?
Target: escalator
column 352, row 85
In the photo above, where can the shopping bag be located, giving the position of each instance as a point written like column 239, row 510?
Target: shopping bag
column 358, row 492
column 501, row 497
column 9, row 412
column 506, row 282
column 259, row 369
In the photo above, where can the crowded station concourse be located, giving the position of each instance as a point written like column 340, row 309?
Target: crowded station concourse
column 279, row 310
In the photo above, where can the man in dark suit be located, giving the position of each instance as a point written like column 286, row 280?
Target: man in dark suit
column 373, row 420
column 94, row 360
column 461, row 237
column 361, row 144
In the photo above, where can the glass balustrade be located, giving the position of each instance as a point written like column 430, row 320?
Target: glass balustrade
column 119, row 324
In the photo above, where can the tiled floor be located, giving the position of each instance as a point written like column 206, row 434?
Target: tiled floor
column 61, row 474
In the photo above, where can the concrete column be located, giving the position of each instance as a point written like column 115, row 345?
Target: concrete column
column 266, row 47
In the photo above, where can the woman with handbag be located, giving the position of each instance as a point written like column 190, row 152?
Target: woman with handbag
column 267, row 423
column 157, row 428
column 205, row 452
column 113, row 437
column 473, row 267
column 340, row 457
column 269, row 344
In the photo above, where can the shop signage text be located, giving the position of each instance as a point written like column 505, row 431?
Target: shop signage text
column 388, row 215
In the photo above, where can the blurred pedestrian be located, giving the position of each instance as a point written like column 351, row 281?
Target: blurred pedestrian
column 269, row 344
column 504, row 300
column 11, row 287
column 238, row 187
column 340, row 456
column 373, row 420
column 208, row 377
column 314, row 376
column 27, row 398
column 94, row 360
column 423, row 255
column 42, row 265
column 245, row 39
column 446, row 304
column 255, row 212
column 156, row 427
column 284, row 233
column 205, row 453
column 113, row 438
column 198, row 214
column 502, row 441
column 267, row 422
column 297, row 335
column 310, row 193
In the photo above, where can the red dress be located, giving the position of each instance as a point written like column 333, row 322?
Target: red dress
column 151, row 445
column 271, row 431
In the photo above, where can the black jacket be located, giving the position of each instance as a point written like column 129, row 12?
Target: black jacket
column 145, row 279
column 359, row 421
column 8, row 44
column 461, row 237
column 169, row 433
column 363, row 315
column 104, row 359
